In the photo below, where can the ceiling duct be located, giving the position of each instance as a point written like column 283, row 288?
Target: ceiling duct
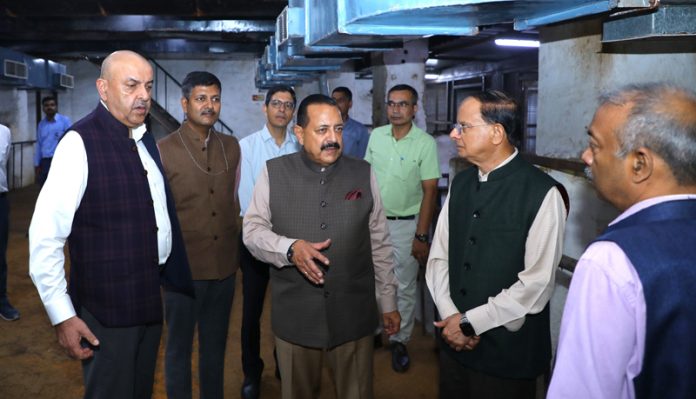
column 671, row 21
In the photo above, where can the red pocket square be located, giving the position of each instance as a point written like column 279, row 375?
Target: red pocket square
column 354, row 194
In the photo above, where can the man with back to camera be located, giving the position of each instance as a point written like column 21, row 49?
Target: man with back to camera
column 330, row 253
column 7, row 311
column 630, row 315
column 109, row 199
column 202, row 166
column 49, row 131
column 355, row 135
column 272, row 141
column 404, row 159
column 491, row 270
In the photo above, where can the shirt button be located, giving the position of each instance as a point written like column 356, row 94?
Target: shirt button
column 323, row 204
column 476, row 214
column 323, row 226
column 467, row 266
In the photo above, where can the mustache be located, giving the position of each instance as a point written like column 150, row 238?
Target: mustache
column 589, row 174
column 330, row 144
column 208, row 111
column 140, row 103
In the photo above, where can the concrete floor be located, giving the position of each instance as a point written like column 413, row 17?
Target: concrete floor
column 32, row 365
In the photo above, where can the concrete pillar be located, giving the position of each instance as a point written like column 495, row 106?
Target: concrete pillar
column 400, row 66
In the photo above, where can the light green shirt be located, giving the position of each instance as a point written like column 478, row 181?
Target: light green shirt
column 400, row 166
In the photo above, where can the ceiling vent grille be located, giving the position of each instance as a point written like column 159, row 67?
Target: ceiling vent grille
column 64, row 80
column 15, row 69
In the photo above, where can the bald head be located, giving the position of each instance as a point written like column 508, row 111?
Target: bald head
column 124, row 85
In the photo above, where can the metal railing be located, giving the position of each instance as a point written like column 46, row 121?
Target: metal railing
column 17, row 151
column 165, row 83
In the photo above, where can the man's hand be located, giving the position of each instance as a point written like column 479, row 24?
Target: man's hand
column 305, row 256
column 420, row 251
column 391, row 322
column 453, row 335
column 70, row 333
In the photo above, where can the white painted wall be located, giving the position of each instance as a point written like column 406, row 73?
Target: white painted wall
column 574, row 68
column 362, row 94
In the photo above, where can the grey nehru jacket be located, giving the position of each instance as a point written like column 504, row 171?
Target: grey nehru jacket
column 295, row 198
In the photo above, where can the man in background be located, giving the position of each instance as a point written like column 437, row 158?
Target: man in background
column 272, row 141
column 355, row 135
column 630, row 315
column 50, row 130
column 109, row 200
column 404, row 159
column 202, row 166
column 7, row 311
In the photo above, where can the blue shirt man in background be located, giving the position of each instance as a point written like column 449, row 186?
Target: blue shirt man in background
column 49, row 132
column 355, row 135
column 272, row 141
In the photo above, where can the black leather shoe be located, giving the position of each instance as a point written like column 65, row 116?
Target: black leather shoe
column 400, row 359
column 250, row 388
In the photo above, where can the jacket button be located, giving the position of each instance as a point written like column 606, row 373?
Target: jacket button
column 212, row 191
column 213, row 213
column 467, row 266
column 326, row 294
column 476, row 214
column 215, row 238
column 472, row 240
column 156, row 260
column 323, row 204
column 144, row 172
column 323, row 226
column 134, row 149
column 463, row 291
column 322, row 181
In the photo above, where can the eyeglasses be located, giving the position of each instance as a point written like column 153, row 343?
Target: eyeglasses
column 277, row 103
column 463, row 128
column 401, row 104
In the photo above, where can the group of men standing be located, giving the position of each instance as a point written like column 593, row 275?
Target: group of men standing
column 340, row 238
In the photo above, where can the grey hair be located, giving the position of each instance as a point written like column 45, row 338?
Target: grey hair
column 662, row 117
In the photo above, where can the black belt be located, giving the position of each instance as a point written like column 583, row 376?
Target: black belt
column 409, row 217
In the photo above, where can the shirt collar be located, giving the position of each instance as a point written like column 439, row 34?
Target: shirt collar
column 266, row 136
column 484, row 177
column 637, row 207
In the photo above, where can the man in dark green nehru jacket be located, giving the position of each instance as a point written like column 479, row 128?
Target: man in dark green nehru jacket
column 317, row 217
column 492, row 264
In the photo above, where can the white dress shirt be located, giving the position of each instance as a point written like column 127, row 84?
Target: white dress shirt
column 5, row 144
column 53, row 217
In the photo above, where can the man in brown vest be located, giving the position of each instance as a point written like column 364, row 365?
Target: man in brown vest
column 202, row 166
column 330, row 249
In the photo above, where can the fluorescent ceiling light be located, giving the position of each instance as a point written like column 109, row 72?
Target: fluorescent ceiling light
column 517, row 43
column 431, row 62
column 431, row 76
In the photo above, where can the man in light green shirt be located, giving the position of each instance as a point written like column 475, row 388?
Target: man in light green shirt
column 404, row 159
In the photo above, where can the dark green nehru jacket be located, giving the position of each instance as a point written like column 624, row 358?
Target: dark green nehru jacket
column 489, row 222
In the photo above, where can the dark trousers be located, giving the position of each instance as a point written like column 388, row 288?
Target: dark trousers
column 123, row 366
column 255, row 275
column 45, row 164
column 210, row 310
column 4, row 229
column 459, row 382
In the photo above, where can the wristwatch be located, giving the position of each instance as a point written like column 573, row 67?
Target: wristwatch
column 291, row 252
column 422, row 237
column 466, row 327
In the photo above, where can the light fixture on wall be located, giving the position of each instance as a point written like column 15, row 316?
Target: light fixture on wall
column 432, row 76
column 517, row 43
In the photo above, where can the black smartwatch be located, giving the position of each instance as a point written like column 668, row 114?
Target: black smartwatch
column 466, row 327
column 291, row 252
column 422, row 237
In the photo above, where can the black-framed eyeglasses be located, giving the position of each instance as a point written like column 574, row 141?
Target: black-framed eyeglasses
column 461, row 128
column 277, row 103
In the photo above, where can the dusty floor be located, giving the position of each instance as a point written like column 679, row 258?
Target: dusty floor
column 32, row 365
